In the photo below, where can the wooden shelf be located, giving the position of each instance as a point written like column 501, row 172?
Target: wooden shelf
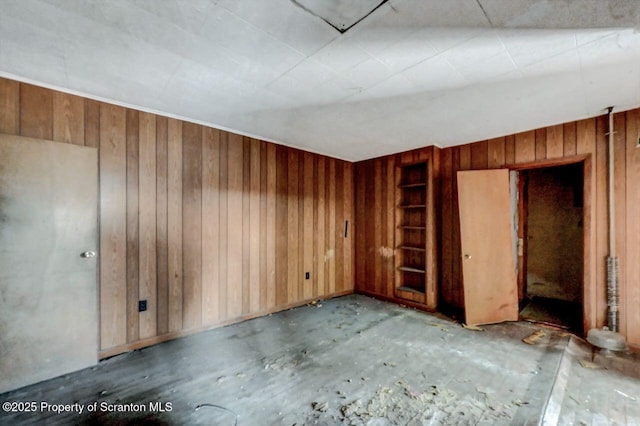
column 411, row 231
column 410, row 289
column 412, row 248
column 413, row 206
column 413, row 185
column 410, row 269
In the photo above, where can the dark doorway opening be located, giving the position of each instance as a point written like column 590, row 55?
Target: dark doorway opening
column 552, row 212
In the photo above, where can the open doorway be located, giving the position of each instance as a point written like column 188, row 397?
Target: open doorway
column 551, row 263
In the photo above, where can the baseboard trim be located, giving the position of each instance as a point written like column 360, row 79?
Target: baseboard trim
column 397, row 301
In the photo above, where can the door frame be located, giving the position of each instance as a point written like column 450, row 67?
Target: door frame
column 589, row 284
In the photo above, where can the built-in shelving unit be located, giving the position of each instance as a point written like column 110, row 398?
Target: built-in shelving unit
column 411, row 225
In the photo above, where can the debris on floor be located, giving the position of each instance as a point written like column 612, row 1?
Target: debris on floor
column 519, row 402
column 440, row 326
column 271, row 369
column 588, row 364
column 284, row 361
column 598, row 389
column 220, row 408
column 472, row 327
column 534, row 338
column 402, row 404
column 320, row 406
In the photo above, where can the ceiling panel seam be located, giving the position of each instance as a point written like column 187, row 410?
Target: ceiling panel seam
column 485, row 13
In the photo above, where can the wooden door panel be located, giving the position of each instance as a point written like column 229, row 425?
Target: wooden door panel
column 488, row 267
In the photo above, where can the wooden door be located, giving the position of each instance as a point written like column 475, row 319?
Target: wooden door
column 486, row 230
column 48, row 264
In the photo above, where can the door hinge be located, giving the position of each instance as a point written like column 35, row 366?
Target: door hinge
column 520, row 247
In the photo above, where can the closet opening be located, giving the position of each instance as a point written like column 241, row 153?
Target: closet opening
column 550, row 245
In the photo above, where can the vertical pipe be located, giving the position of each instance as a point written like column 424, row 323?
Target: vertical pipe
column 612, row 210
column 613, row 314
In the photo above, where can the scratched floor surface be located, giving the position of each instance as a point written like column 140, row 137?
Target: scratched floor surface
column 350, row 360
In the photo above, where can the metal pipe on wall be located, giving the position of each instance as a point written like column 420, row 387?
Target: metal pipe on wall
column 613, row 314
column 610, row 198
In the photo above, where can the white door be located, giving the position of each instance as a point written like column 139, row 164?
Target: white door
column 48, row 264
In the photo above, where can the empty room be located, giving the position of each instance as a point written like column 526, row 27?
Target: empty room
column 298, row 212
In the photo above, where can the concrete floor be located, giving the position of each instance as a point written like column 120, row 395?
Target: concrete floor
column 351, row 360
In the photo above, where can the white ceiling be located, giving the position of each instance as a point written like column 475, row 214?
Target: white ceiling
column 413, row 73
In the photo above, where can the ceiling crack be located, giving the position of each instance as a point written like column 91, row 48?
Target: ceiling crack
column 485, row 13
column 336, row 27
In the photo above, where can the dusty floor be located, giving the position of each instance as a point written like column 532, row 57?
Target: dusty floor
column 351, row 360
column 553, row 311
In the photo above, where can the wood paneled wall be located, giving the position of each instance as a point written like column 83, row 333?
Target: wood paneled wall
column 211, row 227
column 582, row 138
column 208, row 226
column 375, row 193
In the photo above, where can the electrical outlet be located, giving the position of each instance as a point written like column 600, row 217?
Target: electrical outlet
column 307, row 275
column 142, row 305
